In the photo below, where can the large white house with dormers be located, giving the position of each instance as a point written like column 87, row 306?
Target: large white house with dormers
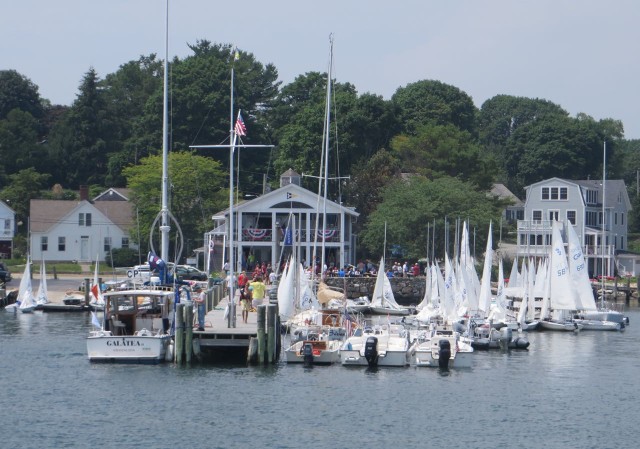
column 602, row 230
column 64, row 230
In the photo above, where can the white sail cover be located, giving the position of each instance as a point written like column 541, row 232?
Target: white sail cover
column 484, row 298
column 285, row 293
column 42, row 297
column 561, row 286
column 579, row 275
column 25, row 291
column 307, row 299
column 499, row 311
column 382, row 292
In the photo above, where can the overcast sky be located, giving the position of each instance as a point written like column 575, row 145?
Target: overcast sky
column 581, row 54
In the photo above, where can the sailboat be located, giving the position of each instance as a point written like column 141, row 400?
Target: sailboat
column 562, row 298
column 97, row 300
column 583, row 289
column 42, row 297
column 25, row 292
column 383, row 301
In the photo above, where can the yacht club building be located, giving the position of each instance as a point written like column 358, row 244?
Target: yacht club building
column 269, row 227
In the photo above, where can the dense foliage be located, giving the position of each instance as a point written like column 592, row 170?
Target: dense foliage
column 423, row 155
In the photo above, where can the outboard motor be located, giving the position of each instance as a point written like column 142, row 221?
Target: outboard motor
column 444, row 354
column 307, row 354
column 371, row 351
column 504, row 340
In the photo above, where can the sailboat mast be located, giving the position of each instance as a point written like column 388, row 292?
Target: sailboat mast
column 164, row 225
column 604, row 220
column 326, row 155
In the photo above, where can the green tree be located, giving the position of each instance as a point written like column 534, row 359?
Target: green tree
column 19, row 92
column 433, row 102
column 81, row 141
column 565, row 147
column 196, row 192
column 364, row 189
column 410, row 206
column 22, row 188
column 127, row 93
column 19, row 144
column 444, row 150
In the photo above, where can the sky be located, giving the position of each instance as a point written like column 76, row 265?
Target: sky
column 580, row 54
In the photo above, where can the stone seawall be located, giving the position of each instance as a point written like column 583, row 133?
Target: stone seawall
column 407, row 291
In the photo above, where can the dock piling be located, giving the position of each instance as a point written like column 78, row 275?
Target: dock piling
column 188, row 332
column 260, row 315
column 179, row 337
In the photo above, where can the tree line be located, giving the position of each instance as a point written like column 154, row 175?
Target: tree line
column 425, row 154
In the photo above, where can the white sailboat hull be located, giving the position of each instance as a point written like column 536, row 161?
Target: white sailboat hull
column 600, row 325
column 563, row 326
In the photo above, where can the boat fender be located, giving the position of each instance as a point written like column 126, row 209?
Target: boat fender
column 521, row 343
column 444, row 354
column 371, row 351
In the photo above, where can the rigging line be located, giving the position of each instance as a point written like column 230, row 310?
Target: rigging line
column 337, row 143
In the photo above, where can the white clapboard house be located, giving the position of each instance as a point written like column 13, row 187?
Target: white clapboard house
column 80, row 230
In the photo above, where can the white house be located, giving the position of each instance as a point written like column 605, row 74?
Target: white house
column 7, row 230
column 63, row 230
column 602, row 230
column 261, row 224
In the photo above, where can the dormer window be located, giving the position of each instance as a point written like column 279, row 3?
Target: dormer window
column 555, row 193
column 84, row 219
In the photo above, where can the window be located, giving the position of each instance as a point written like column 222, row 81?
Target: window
column 107, row 244
column 62, row 243
column 622, row 218
column 615, row 218
column 545, row 193
column 563, row 193
column 571, row 217
column 592, row 197
column 592, row 218
column 554, row 193
column 536, row 215
column 125, row 242
column 84, row 219
column 44, row 243
column 7, row 225
column 621, row 242
column 553, row 215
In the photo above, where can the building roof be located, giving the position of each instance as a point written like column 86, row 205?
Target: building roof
column 614, row 187
column 44, row 214
column 502, row 192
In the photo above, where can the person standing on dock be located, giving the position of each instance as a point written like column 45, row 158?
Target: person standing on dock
column 200, row 299
column 258, row 290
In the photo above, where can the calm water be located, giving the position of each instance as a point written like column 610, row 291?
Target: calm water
column 567, row 391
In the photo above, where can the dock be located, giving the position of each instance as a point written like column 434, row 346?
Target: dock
column 225, row 338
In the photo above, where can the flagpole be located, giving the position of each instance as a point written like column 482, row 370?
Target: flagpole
column 232, row 148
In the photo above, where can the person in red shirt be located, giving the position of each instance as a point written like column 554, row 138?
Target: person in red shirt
column 415, row 270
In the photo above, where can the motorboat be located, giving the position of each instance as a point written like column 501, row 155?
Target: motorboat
column 135, row 327
column 442, row 347
column 377, row 345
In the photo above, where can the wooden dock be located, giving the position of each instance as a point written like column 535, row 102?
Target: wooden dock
column 225, row 338
column 218, row 332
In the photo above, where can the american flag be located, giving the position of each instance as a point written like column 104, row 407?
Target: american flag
column 240, row 129
column 347, row 320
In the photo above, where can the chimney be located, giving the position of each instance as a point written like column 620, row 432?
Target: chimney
column 84, row 193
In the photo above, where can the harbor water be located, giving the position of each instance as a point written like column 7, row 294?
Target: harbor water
column 567, row 391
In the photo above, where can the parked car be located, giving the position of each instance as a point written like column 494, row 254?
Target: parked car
column 189, row 273
column 5, row 274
